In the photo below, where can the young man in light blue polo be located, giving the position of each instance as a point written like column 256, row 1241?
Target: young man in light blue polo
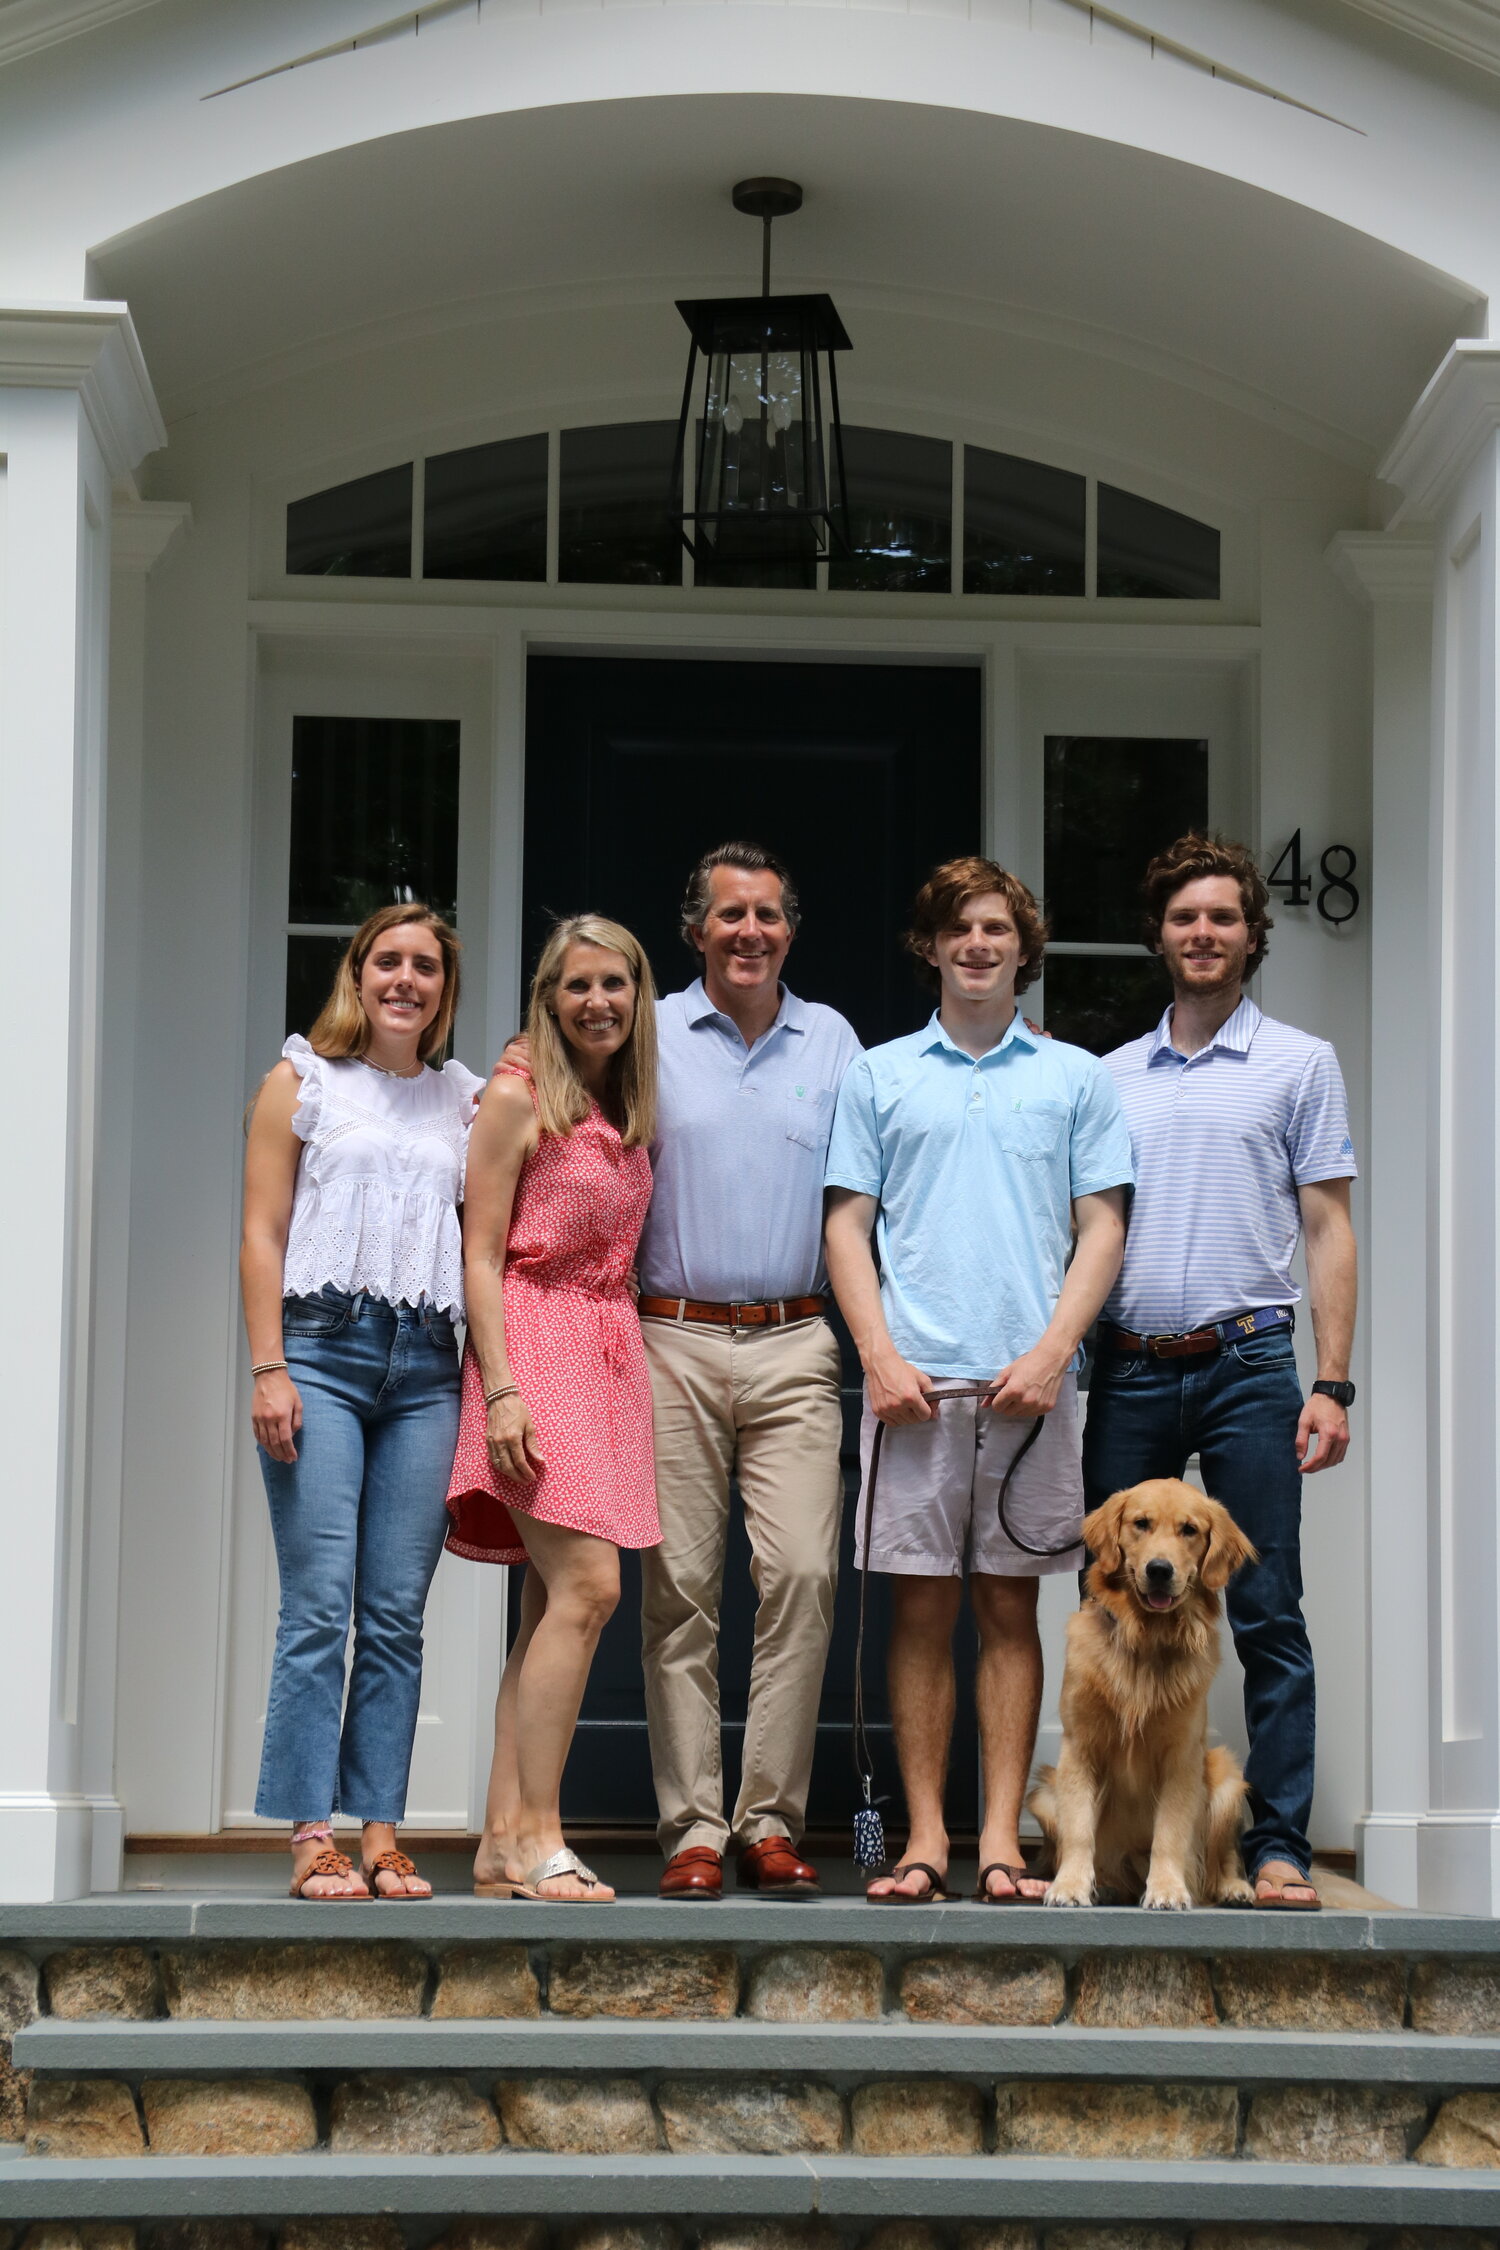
column 974, row 1149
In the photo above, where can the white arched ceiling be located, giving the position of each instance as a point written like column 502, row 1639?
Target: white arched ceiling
column 966, row 215
column 100, row 134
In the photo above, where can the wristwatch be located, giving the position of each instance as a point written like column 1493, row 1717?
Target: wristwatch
column 1342, row 1394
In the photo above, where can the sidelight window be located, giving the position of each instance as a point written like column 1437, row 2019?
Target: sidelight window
column 1111, row 802
column 374, row 821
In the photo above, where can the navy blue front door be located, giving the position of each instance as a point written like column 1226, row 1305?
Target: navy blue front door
column 862, row 777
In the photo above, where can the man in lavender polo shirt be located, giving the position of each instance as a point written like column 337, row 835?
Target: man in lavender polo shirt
column 745, row 1376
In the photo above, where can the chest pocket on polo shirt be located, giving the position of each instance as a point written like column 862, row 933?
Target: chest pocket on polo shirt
column 1035, row 1131
column 809, row 1118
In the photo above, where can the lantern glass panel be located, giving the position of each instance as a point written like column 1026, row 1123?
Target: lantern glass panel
column 761, row 454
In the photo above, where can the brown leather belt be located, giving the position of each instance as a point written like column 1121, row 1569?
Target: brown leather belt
column 1168, row 1347
column 775, row 1315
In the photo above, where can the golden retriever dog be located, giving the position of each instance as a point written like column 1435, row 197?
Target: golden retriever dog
column 1138, row 1803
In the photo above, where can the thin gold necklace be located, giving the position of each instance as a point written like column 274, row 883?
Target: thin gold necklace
column 421, row 1066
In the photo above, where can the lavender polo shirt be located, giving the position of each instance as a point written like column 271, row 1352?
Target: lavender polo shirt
column 1222, row 1141
column 742, row 1132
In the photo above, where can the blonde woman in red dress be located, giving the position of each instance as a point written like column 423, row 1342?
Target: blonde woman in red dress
column 554, row 1464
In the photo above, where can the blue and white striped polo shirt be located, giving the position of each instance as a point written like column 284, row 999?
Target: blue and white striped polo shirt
column 1222, row 1141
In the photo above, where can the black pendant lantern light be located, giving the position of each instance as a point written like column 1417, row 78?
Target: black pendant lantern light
column 762, row 474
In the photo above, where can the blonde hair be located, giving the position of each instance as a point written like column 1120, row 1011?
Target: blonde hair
column 562, row 1099
column 342, row 1031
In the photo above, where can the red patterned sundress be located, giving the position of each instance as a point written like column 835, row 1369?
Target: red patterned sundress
column 574, row 1344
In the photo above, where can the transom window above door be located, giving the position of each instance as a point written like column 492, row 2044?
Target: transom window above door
column 592, row 508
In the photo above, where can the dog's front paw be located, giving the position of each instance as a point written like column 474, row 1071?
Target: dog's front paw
column 1068, row 1891
column 1235, row 1893
column 1166, row 1894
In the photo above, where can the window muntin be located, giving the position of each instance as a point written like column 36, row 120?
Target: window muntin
column 356, row 530
column 374, row 821
column 484, row 512
column 1110, row 803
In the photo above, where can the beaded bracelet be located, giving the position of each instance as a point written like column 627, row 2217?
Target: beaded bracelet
column 268, row 1367
column 506, row 1390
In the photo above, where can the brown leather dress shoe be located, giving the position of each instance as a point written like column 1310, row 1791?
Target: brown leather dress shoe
column 773, row 1868
column 696, row 1873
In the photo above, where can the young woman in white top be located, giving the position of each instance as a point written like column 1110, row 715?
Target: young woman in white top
column 351, row 1270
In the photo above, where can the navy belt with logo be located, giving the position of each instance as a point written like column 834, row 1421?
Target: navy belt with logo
column 1193, row 1341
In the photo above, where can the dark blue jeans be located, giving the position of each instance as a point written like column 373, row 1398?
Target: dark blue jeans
column 1237, row 1409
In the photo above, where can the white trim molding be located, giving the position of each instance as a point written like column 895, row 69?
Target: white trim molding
column 91, row 348
column 1470, row 28
column 1459, row 409
column 1382, row 566
column 141, row 531
column 27, row 26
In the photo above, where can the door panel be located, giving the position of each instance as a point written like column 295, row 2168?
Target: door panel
column 861, row 777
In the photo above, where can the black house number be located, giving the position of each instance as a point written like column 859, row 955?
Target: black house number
column 1338, row 900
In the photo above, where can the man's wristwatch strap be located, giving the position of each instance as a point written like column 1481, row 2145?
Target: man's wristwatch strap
column 1341, row 1393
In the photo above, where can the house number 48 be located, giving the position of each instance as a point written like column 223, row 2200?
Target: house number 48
column 1337, row 899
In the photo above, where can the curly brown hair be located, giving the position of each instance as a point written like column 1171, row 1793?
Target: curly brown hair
column 1187, row 861
column 949, row 888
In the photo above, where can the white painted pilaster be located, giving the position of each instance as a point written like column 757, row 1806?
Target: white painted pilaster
column 1392, row 574
column 76, row 413
column 140, row 533
column 1446, row 465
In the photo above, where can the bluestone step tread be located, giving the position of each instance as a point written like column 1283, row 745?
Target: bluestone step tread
column 739, row 1919
column 700, row 2187
column 892, row 2048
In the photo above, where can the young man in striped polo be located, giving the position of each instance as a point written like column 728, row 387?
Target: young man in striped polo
column 1240, row 1133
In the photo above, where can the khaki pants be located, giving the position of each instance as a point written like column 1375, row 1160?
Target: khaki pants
column 765, row 1404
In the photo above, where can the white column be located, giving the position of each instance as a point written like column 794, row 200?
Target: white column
column 76, row 413
column 1391, row 572
column 140, row 533
column 1446, row 465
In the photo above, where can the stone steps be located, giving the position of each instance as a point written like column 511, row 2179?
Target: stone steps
column 748, row 2076
column 848, row 2194
column 843, row 2054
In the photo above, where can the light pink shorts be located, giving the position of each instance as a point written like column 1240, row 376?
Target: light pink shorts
column 935, row 1502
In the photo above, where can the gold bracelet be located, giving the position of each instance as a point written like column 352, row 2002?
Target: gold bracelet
column 506, row 1390
column 268, row 1367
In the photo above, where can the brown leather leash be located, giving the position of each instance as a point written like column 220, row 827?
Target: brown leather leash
column 869, row 1834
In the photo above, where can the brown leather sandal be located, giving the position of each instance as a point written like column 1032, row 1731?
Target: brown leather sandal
column 327, row 1863
column 984, row 1896
column 394, row 1863
column 937, row 1895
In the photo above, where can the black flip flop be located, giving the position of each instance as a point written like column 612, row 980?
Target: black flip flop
column 937, row 1896
column 984, row 1896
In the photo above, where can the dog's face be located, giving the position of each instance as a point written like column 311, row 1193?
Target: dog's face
column 1163, row 1539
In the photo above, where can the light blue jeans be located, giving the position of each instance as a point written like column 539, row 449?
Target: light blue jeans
column 359, row 1520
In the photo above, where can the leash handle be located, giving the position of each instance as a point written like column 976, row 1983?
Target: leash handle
column 864, row 1758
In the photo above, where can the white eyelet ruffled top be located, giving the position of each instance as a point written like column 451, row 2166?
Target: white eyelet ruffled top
column 379, row 1180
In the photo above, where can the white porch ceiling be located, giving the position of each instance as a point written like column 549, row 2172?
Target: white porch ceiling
column 973, row 217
